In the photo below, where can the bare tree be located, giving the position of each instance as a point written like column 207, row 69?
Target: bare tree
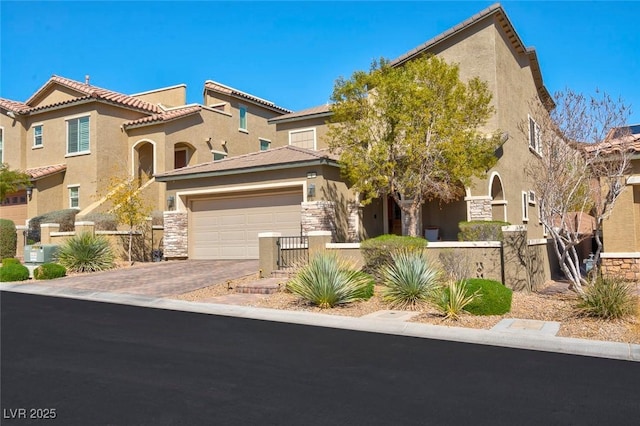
column 579, row 172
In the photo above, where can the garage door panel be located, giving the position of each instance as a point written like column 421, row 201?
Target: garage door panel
column 228, row 228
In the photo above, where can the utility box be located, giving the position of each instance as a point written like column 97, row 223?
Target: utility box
column 40, row 253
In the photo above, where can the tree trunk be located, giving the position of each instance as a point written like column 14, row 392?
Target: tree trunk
column 413, row 224
column 130, row 245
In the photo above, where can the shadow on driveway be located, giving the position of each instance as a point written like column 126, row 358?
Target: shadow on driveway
column 159, row 279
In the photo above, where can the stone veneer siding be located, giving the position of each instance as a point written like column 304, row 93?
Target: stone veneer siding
column 627, row 268
column 318, row 216
column 175, row 235
column 354, row 217
column 480, row 210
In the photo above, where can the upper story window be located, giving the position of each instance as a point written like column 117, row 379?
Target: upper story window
column 525, row 206
column 74, row 197
column 37, row 135
column 305, row 138
column 243, row 117
column 78, row 135
column 1, row 144
column 534, row 137
column 264, row 144
column 219, row 155
column 180, row 159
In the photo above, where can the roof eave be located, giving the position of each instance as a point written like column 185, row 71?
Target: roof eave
column 156, row 122
column 279, row 120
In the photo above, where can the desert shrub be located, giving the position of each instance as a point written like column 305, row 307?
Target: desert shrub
column 456, row 298
column 481, row 230
column 409, row 280
column 102, row 221
column 377, row 251
column 328, row 281
column 455, row 264
column 65, row 218
column 495, row 300
column 86, row 253
column 8, row 238
column 13, row 272
column 608, row 298
column 10, row 260
column 49, row 271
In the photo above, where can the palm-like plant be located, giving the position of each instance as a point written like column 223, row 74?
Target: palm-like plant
column 86, row 253
column 455, row 298
column 409, row 280
column 328, row 281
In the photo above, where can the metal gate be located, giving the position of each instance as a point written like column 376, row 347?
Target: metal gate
column 293, row 252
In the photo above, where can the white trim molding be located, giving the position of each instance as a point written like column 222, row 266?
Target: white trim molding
column 133, row 152
column 620, row 255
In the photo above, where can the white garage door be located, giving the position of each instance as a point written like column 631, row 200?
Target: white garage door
column 228, row 227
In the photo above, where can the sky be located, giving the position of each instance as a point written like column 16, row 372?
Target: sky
column 292, row 52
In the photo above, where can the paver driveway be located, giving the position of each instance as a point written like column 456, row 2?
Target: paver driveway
column 159, row 279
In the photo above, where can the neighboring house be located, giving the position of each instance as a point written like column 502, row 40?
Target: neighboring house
column 72, row 136
column 621, row 230
column 485, row 45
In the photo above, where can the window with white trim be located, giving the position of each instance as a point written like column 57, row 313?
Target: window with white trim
column 37, row 135
column 219, row 155
column 74, row 197
column 243, row 117
column 304, row 138
column 525, row 206
column 78, row 135
column 265, row 144
column 534, row 136
column 1, row 144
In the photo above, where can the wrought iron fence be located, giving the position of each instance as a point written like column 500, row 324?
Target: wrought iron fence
column 292, row 251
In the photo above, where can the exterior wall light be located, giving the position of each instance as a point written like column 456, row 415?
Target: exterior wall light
column 29, row 192
column 311, row 190
column 171, row 202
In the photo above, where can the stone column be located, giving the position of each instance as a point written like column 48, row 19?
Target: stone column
column 515, row 257
column 318, row 241
column 479, row 208
column 21, row 240
column 268, row 252
column 318, row 216
column 85, row 227
column 45, row 232
column 175, row 235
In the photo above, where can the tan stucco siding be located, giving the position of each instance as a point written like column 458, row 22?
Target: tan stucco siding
column 622, row 228
column 54, row 94
column 319, row 124
column 168, row 97
column 13, row 150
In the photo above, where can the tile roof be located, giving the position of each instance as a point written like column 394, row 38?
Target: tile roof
column 497, row 11
column 13, row 106
column 164, row 116
column 44, row 171
column 618, row 139
column 286, row 155
column 320, row 110
column 221, row 88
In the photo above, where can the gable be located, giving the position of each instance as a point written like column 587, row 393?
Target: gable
column 53, row 94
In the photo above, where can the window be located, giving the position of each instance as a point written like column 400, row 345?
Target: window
column 305, row 138
column 264, row 144
column 219, row 155
column 243, row 117
column 532, row 198
column 180, row 159
column 74, row 197
column 78, row 135
column 37, row 135
column 1, row 144
column 525, row 206
column 534, row 136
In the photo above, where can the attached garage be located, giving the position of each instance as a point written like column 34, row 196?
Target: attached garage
column 227, row 227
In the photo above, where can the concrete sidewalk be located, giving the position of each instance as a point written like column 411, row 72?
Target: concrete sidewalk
column 539, row 342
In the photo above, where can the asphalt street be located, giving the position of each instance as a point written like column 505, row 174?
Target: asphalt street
column 98, row 363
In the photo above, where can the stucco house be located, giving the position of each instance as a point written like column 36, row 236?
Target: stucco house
column 72, row 136
column 485, row 45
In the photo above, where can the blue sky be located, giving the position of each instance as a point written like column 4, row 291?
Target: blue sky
column 292, row 52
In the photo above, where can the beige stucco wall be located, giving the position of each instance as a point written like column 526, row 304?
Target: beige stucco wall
column 318, row 123
column 54, row 94
column 13, row 133
column 621, row 230
column 167, row 96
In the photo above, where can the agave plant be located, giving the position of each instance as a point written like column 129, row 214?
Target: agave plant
column 409, row 280
column 328, row 281
column 454, row 298
column 609, row 299
column 86, row 253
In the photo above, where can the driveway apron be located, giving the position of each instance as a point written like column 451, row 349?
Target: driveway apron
column 159, row 279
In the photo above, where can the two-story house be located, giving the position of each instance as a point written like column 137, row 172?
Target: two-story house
column 301, row 181
column 72, row 136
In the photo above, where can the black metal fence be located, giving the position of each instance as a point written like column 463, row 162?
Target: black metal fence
column 292, row 251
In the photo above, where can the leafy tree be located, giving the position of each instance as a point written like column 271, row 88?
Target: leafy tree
column 411, row 132
column 578, row 175
column 11, row 180
column 129, row 206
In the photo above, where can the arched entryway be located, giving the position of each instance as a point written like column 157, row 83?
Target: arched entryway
column 498, row 201
column 144, row 159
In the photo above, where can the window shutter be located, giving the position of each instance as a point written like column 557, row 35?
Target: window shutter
column 83, row 131
column 73, row 136
column 532, row 133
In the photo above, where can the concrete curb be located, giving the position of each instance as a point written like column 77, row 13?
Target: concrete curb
column 565, row 345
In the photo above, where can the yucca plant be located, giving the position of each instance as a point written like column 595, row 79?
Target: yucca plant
column 608, row 298
column 86, row 253
column 409, row 280
column 328, row 281
column 454, row 298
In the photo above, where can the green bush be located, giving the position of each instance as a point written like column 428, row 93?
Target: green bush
column 10, row 261
column 86, row 253
column 13, row 272
column 409, row 280
column 102, row 221
column 327, row 281
column 377, row 251
column 456, row 298
column 608, row 298
column 49, row 271
column 495, row 300
column 481, row 230
column 65, row 218
column 8, row 238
